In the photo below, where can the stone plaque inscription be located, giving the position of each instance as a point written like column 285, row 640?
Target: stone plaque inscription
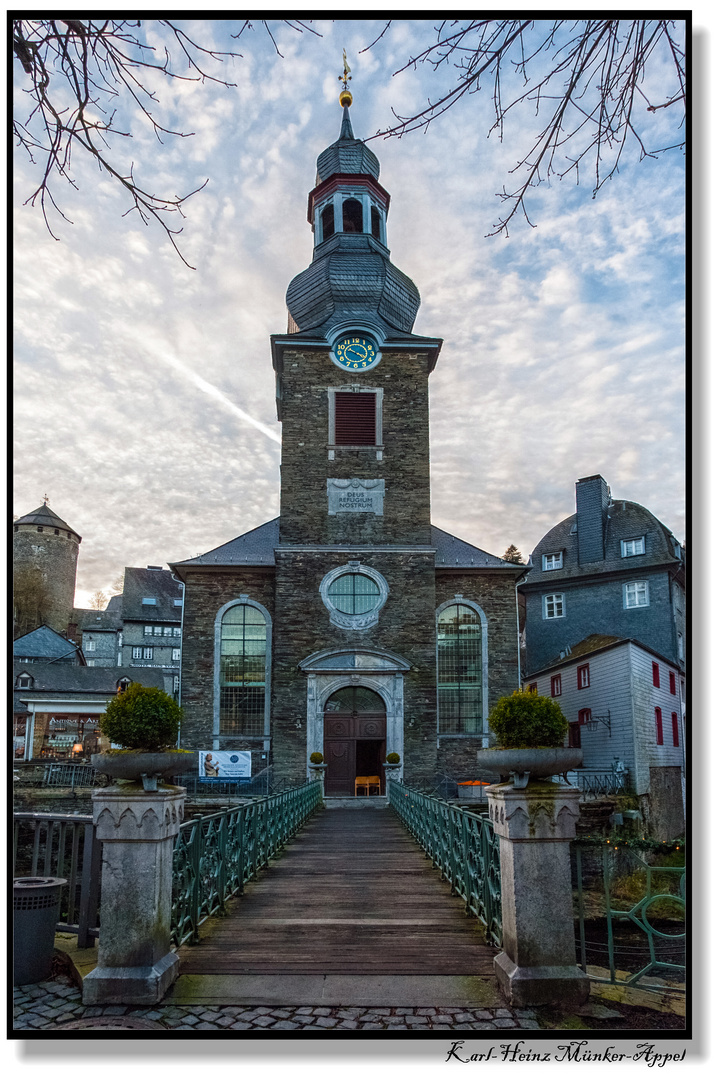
column 355, row 497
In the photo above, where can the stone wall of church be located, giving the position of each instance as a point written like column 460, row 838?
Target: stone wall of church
column 304, row 517
column 205, row 594
column 302, row 627
column 495, row 594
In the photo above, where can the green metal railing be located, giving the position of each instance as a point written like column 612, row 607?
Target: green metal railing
column 636, row 917
column 462, row 845
column 216, row 854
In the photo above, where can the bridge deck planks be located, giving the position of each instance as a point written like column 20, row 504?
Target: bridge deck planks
column 351, row 894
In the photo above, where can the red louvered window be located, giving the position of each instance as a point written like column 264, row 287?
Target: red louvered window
column 660, row 729
column 672, row 683
column 655, row 675
column 355, row 419
column 675, row 729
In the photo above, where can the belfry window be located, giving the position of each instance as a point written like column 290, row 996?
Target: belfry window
column 243, row 653
column 375, row 219
column 355, row 419
column 328, row 221
column 460, row 666
column 352, row 216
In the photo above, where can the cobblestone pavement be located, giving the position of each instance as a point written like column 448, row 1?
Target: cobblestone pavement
column 53, row 1004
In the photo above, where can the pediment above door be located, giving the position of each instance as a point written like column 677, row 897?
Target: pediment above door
column 354, row 660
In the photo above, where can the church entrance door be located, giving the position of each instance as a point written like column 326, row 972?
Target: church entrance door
column 355, row 724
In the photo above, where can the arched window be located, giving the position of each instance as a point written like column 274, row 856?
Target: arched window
column 242, row 670
column 328, row 221
column 375, row 220
column 461, row 669
column 352, row 216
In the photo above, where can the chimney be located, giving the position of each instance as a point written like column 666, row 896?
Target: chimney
column 592, row 495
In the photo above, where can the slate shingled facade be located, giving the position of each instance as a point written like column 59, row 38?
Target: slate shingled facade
column 318, row 631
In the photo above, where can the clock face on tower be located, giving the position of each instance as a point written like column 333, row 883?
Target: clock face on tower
column 356, row 352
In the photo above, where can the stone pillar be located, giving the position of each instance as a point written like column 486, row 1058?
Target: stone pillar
column 534, row 825
column 137, row 830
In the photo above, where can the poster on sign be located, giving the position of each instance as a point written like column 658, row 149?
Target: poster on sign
column 225, row 764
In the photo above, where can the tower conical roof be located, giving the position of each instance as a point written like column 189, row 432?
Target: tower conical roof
column 346, row 154
column 44, row 516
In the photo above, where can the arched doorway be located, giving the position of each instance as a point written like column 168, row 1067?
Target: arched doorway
column 355, row 731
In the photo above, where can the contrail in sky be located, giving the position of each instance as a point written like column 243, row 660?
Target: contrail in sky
column 208, row 388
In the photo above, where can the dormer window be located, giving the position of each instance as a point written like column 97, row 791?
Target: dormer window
column 328, row 221
column 553, row 561
column 633, row 547
column 24, row 682
column 149, row 600
column 352, row 216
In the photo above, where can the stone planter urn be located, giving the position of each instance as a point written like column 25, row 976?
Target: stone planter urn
column 144, row 766
column 317, row 772
column 525, row 763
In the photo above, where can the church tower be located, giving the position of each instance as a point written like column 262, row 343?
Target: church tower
column 350, row 625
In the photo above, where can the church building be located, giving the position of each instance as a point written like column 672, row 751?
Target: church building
column 349, row 625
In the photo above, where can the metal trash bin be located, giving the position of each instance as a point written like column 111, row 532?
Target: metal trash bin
column 36, row 907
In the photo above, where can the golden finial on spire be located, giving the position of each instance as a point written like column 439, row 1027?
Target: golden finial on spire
column 344, row 78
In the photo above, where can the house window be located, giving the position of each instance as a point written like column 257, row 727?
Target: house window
column 675, row 729
column 149, row 600
column 176, row 683
column 355, row 418
column 461, row 647
column 658, row 722
column 556, row 685
column 148, row 631
column 636, row 594
column 175, row 654
column 90, row 663
column 328, row 221
column 655, row 675
column 552, row 561
column 532, row 688
column 633, row 547
column 158, row 631
column 680, row 646
column 176, row 631
column 147, row 652
column 672, row 683
column 89, row 646
column 57, row 532
column 582, row 676
column 167, row 631
column 39, row 528
column 178, row 601
column 554, row 606
column 243, row 657
column 585, row 715
column 575, row 735
column 137, row 652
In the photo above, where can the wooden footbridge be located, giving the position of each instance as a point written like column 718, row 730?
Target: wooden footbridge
column 352, row 893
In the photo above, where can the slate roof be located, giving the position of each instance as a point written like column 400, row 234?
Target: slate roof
column 346, row 154
column 625, row 521
column 257, row 548
column 53, row 679
column 593, row 644
column 46, row 642
column 89, row 619
column 46, row 517
column 159, row 584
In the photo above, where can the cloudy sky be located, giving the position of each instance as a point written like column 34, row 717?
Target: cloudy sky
column 144, row 390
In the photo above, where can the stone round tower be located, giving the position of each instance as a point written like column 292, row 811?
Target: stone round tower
column 45, row 550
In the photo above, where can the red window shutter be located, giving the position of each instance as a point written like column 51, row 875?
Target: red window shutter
column 675, row 729
column 660, row 730
column 355, row 419
column 655, row 674
column 672, row 683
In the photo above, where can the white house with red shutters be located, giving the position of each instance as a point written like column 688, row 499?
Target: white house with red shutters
column 625, row 707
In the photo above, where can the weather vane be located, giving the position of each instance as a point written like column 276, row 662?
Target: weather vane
column 45, row 499
column 344, row 78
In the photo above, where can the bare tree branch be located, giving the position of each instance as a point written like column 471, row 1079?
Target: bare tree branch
column 586, row 75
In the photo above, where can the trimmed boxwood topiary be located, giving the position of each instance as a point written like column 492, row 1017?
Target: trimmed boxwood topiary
column 525, row 719
column 316, row 758
column 142, row 718
column 392, row 759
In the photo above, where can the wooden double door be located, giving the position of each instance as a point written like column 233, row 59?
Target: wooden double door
column 355, row 725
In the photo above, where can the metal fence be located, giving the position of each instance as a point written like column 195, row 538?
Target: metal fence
column 216, row 854
column 260, row 785
column 71, row 776
column 630, row 917
column 462, row 845
column 597, row 785
column 65, row 846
